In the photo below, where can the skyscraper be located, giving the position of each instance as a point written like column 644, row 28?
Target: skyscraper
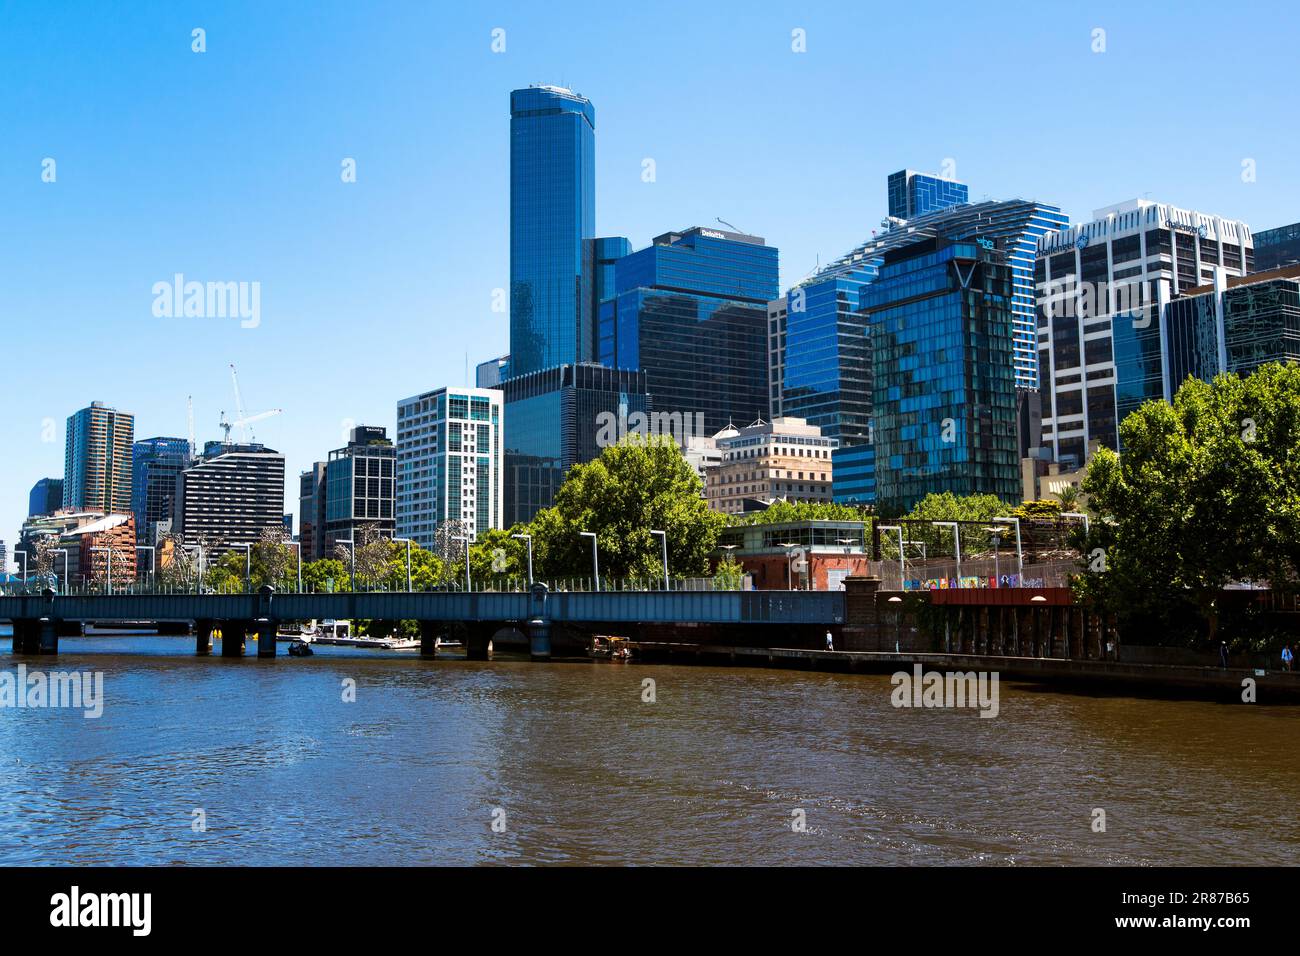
column 449, row 462
column 691, row 311
column 230, row 495
column 552, row 215
column 913, row 194
column 156, row 463
column 98, row 460
column 46, row 497
column 359, row 489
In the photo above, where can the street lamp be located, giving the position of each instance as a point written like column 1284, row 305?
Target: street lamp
column 1020, row 556
column 64, row 552
column 956, row 537
column 902, row 565
column 466, row 539
column 248, row 566
column 408, row 562
column 663, row 537
column 791, row 547
column 898, row 624
column 529, row 539
column 110, row 567
column 153, row 560
column 595, row 554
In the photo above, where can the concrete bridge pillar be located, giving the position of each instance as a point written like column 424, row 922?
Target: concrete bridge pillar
column 477, row 639
column 203, row 629
column 429, row 633
column 47, row 637
column 539, row 639
column 232, row 638
column 266, row 639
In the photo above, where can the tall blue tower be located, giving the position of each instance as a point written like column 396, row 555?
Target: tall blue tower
column 552, row 215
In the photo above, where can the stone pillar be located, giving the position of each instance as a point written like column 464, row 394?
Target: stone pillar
column 203, row 637
column 429, row 631
column 232, row 638
column 265, row 637
column 47, row 637
column 539, row 639
column 477, row 638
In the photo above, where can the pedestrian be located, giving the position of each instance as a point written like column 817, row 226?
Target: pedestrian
column 1223, row 654
column 1287, row 657
column 830, row 644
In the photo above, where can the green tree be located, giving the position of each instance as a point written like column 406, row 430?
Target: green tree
column 640, row 484
column 790, row 511
column 729, row 575
column 327, row 574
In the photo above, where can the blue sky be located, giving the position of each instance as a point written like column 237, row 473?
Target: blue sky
column 225, row 166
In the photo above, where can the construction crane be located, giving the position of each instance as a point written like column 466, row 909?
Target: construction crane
column 244, row 420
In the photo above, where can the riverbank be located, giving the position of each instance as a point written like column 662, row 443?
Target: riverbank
column 1189, row 682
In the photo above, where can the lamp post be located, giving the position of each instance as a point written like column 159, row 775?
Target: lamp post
column 956, row 537
column 64, row 552
column 110, row 567
column 407, row 541
column 153, row 560
column 464, row 537
column 1020, row 556
column 790, row 549
column 297, row 547
column 528, row 538
column 595, row 555
column 248, row 566
column 898, row 624
column 902, row 565
column 663, row 538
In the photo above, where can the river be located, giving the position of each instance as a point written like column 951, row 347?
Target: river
column 573, row 766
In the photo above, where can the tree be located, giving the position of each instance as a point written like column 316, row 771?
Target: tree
column 325, row 575
column 729, row 575
column 1068, row 498
column 1206, row 493
column 369, row 555
column 641, row 484
column 791, row 511
column 946, row 506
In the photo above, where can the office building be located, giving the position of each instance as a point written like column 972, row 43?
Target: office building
column 156, row 464
column 944, row 396
column 46, row 497
column 449, row 462
column 230, row 496
column 552, row 215
column 70, row 537
column 798, row 555
column 853, row 475
column 1235, row 325
column 358, row 491
column 913, row 194
column 786, row 459
column 557, row 418
column 690, row 310
column 1275, row 248
column 1104, row 289
column 311, row 512
column 97, row 460
column 493, row 372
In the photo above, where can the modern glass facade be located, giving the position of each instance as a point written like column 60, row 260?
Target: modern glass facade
column 913, row 194
column 97, row 460
column 360, row 489
column 156, row 464
column 944, row 389
column 854, row 475
column 691, row 311
column 449, row 462
column 1275, row 248
column 46, row 497
column 554, row 421
column 552, row 217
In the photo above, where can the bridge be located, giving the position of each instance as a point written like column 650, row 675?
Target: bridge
column 757, row 618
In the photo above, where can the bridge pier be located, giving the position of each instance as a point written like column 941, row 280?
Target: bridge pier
column 539, row 639
column 203, row 629
column 265, row 638
column 429, row 632
column 232, row 638
column 36, row 636
column 477, row 638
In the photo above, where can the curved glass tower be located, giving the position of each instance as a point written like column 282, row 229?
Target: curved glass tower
column 552, row 214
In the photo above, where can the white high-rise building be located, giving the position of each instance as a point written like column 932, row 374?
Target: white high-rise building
column 1102, row 291
column 449, row 462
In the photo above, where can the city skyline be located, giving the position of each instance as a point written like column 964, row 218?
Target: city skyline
column 416, row 247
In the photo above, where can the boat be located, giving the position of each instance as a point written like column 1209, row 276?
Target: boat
column 300, row 649
column 610, row 648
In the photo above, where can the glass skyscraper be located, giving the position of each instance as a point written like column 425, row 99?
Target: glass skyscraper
column 156, row 464
column 691, row 311
column 913, row 194
column 1275, row 248
column 944, row 390
column 46, row 497
column 552, row 217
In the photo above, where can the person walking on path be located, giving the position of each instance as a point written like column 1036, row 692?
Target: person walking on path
column 1287, row 657
column 1223, row 654
column 830, row 643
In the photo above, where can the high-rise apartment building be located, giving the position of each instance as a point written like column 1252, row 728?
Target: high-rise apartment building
column 552, row 217
column 691, row 312
column 449, row 462
column 784, row 459
column 46, row 497
column 230, row 496
column 97, row 460
column 156, row 464
column 1103, row 291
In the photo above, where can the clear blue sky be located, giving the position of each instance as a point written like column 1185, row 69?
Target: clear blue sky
column 225, row 166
